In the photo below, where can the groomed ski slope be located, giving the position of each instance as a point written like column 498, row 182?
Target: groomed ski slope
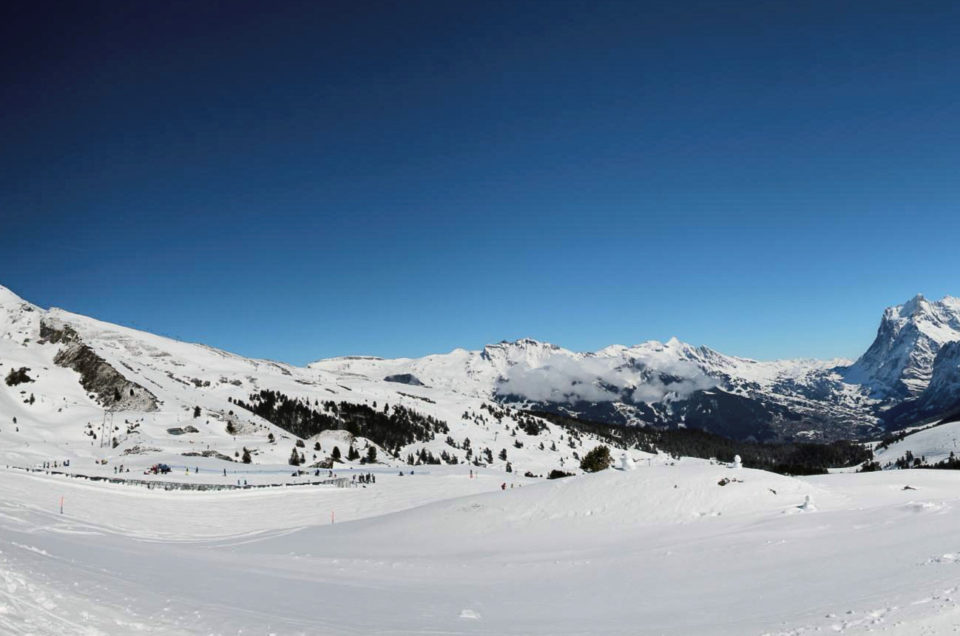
column 663, row 549
column 934, row 443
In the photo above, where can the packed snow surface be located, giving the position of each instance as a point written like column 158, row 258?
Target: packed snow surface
column 673, row 547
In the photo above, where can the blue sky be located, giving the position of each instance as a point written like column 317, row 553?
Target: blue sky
column 301, row 180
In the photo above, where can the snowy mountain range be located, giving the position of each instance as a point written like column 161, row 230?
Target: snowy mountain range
column 75, row 384
column 910, row 372
column 78, row 390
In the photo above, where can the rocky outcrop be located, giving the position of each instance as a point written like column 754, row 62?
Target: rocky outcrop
column 940, row 400
column 404, row 378
column 97, row 376
column 899, row 364
column 56, row 332
column 182, row 430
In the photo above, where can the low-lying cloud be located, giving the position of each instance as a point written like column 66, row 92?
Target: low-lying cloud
column 600, row 379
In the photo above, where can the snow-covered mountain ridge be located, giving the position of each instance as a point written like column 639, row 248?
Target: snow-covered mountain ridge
column 83, row 390
column 900, row 361
column 658, row 383
column 68, row 375
column 667, row 383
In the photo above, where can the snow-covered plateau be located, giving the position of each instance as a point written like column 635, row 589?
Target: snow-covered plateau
column 662, row 549
column 149, row 485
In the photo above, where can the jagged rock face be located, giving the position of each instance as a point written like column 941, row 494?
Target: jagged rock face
column 57, row 333
column 899, row 364
column 940, row 399
column 97, row 376
column 944, row 388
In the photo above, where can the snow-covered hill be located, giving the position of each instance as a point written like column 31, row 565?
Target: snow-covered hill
column 673, row 548
column 461, row 547
column 85, row 391
column 78, row 388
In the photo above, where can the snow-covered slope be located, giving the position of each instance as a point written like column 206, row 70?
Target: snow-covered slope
column 82, row 388
column 92, row 391
column 672, row 548
column 931, row 444
column 464, row 548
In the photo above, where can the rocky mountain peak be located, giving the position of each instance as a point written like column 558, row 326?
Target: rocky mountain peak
column 900, row 361
column 912, row 307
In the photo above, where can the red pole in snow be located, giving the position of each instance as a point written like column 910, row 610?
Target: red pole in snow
column 61, row 504
column 331, row 517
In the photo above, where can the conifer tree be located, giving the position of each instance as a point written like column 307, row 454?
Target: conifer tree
column 596, row 460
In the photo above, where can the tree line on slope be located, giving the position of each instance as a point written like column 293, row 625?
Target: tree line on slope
column 390, row 427
column 789, row 458
column 909, row 460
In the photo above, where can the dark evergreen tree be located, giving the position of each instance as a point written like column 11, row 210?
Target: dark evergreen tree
column 394, row 429
column 596, row 460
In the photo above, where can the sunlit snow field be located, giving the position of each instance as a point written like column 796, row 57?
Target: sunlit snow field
column 663, row 549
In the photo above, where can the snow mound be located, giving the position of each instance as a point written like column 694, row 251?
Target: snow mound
column 527, row 517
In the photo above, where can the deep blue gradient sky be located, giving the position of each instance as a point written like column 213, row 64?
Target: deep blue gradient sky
column 301, row 180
